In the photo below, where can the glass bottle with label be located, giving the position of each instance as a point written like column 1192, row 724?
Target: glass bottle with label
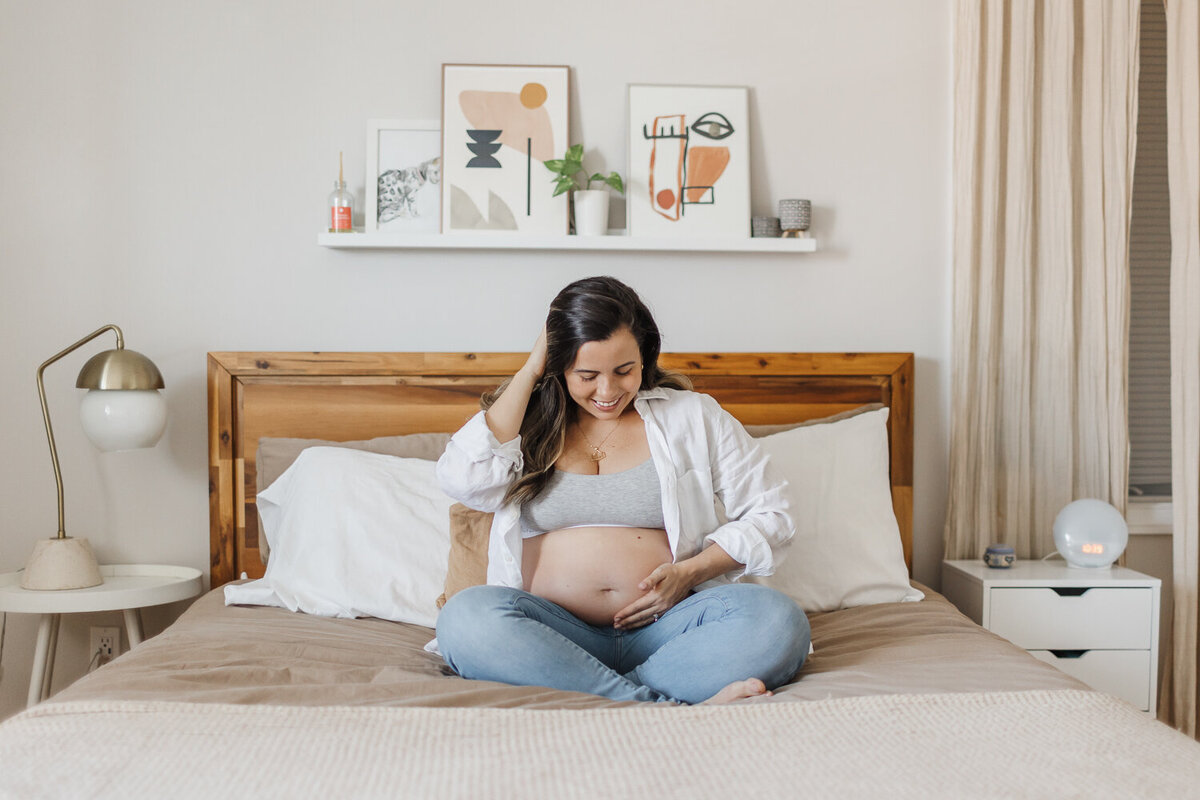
column 341, row 205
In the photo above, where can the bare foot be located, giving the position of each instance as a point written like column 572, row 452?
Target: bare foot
column 739, row 690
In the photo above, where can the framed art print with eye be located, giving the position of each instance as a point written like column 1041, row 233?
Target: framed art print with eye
column 500, row 124
column 689, row 161
column 403, row 176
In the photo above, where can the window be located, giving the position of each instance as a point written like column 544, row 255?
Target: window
column 1150, row 272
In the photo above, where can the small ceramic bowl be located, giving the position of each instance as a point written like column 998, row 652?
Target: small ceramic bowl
column 999, row 556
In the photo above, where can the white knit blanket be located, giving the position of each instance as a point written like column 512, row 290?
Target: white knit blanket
column 1057, row 744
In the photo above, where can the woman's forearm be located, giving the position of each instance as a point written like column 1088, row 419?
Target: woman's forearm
column 709, row 563
column 505, row 416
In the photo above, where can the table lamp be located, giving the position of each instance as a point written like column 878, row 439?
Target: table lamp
column 1090, row 533
column 122, row 410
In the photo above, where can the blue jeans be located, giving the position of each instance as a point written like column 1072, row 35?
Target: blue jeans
column 704, row 643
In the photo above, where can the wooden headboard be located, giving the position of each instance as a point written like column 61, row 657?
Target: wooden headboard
column 343, row 396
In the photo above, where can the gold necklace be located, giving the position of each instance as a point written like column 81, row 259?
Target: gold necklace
column 597, row 454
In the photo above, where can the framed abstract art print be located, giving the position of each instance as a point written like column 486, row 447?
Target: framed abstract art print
column 689, row 161
column 500, row 124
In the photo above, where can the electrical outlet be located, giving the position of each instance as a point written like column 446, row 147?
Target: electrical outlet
column 106, row 642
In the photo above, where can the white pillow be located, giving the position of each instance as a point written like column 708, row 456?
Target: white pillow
column 847, row 550
column 353, row 534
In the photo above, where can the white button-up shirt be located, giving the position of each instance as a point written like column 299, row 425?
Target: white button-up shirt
column 701, row 454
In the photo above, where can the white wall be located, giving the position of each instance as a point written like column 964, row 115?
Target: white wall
column 165, row 166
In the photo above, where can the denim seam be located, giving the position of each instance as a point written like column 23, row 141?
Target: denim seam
column 562, row 614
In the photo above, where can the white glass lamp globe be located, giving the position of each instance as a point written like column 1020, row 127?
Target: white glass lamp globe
column 1090, row 533
column 123, row 419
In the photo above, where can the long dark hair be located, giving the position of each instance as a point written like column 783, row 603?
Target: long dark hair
column 588, row 310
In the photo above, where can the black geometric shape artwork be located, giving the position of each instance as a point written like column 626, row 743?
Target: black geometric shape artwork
column 483, row 147
column 713, row 125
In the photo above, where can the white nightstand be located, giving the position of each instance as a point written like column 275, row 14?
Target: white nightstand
column 1098, row 625
column 126, row 587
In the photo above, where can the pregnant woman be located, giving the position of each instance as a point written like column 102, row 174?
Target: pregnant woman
column 609, row 571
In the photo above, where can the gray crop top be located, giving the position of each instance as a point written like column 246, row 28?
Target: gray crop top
column 631, row 498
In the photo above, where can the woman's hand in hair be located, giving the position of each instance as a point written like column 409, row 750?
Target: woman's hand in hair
column 506, row 412
column 536, row 363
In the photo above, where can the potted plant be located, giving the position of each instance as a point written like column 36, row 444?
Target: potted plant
column 591, row 205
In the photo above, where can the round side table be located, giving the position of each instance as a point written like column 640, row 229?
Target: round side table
column 126, row 588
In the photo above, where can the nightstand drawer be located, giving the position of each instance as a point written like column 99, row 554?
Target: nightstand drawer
column 1041, row 618
column 1124, row 673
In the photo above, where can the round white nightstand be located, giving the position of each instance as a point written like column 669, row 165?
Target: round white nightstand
column 126, row 587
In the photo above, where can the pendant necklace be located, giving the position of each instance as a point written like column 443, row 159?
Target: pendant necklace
column 597, row 454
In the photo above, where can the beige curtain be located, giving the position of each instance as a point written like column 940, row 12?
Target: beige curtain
column 1178, row 699
column 1045, row 97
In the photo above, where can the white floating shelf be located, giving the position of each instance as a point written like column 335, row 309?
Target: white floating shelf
column 512, row 241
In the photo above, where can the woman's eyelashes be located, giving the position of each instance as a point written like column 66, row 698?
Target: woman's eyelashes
column 590, row 378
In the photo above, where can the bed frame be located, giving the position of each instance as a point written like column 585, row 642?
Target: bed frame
column 343, row 396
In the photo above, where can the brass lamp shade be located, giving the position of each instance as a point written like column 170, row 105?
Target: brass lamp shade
column 122, row 410
column 119, row 369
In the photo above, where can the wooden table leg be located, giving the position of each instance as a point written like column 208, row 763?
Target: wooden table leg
column 41, row 655
column 133, row 627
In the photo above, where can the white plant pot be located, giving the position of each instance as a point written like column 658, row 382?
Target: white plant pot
column 591, row 212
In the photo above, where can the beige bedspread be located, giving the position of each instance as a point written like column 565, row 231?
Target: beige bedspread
column 1061, row 743
column 219, row 654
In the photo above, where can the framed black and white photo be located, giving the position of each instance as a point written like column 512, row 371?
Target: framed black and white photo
column 403, row 182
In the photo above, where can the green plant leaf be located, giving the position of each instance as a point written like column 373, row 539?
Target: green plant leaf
column 555, row 165
column 575, row 153
column 614, row 180
column 563, row 184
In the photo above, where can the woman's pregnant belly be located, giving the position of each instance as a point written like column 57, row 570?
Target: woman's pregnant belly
column 593, row 572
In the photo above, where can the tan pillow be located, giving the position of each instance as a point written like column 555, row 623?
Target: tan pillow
column 469, row 533
column 469, row 529
column 276, row 454
column 759, row 431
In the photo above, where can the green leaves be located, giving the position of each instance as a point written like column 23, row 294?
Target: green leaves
column 564, row 184
column 613, row 180
column 570, row 166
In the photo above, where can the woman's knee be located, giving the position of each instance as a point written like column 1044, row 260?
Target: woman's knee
column 469, row 612
column 786, row 628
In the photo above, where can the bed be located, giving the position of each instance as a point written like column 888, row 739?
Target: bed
column 910, row 699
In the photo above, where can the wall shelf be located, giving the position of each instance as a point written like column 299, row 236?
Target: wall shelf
column 509, row 241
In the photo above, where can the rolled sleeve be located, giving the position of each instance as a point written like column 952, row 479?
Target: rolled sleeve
column 746, row 545
column 477, row 468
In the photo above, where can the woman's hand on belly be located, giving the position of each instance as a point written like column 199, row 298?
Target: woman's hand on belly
column 663, row 588
column 667, row 584
column 593, row 572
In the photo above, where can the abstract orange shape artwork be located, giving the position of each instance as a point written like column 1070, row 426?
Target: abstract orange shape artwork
column 704, row 166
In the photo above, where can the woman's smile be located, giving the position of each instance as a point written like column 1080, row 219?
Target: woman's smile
column 606, row 375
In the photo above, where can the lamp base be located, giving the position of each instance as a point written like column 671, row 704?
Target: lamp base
column 58, row 564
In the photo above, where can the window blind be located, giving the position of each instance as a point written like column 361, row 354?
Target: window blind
column 1150, row 271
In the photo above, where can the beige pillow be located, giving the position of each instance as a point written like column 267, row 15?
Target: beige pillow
column 759, row 431
column 469, row 529
column 469, row 533
column 276, row 454
column 847, row 550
